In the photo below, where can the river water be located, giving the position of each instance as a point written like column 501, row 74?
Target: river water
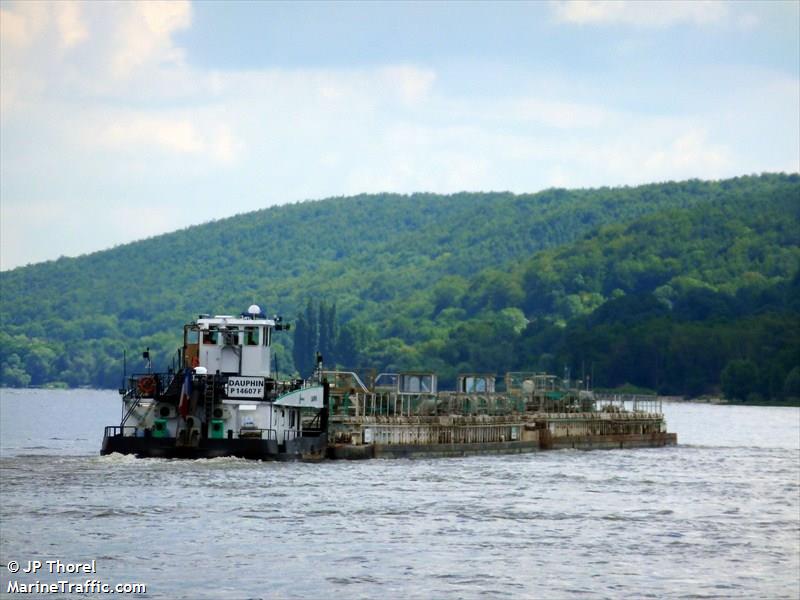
column 716, row 517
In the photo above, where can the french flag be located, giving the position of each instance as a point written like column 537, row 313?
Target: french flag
column 186, row 392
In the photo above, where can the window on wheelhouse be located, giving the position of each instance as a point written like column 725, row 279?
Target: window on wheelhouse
column 267, row 335
column 211, row 336
column 191, row 345
column 251, row 336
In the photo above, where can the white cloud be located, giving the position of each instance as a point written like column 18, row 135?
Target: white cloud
column 58, row 49
column 640, row 13
column 412, row 84
column 102, row 114
column 559, row 114
column 70, row 24
column 144, row 35
column 180, row 136
column 199, row 134
column 687, row 153
column 19, row 27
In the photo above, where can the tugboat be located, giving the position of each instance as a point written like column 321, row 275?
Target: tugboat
column 222, row 399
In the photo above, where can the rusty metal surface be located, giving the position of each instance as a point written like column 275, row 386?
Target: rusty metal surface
column 546, row 443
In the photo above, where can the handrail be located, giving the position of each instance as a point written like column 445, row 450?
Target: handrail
column 133, row 407
column 271, row 433
column 315, row 422
column 355, row 376
column 162, row 380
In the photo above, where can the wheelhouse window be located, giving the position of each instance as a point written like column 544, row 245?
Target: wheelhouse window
column 267, row 335
column 211, row 336
column 251, row 336
column 191, row 344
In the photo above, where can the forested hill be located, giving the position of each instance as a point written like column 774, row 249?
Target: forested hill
column 460, row 282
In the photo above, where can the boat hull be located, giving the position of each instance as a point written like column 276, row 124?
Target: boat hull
column 304, row 449
column 586, row 442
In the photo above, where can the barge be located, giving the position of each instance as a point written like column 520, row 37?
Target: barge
column 221, row 399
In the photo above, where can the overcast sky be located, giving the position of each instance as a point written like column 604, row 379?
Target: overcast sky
column 121, row 121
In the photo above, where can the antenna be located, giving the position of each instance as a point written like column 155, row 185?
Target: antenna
column 123, row 387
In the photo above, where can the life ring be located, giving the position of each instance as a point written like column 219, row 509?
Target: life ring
column 147, row 385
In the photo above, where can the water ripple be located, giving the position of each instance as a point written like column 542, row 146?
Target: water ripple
column 717, row 517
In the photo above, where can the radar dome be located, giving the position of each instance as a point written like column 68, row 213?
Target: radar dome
column 254, row 309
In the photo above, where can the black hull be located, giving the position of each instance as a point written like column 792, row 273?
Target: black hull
column 315, row 448
column 307, row 448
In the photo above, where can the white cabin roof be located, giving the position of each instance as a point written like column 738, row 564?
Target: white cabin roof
column 204, row 322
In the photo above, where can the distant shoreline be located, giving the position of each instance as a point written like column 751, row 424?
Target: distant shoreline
column 793, row 403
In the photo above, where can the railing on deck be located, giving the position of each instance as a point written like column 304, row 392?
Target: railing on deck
column 161, row 382
column 629, row 402
column 371, row 404
column 254, row 433
column 387, row 434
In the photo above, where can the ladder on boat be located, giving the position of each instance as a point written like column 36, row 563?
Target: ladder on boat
column 209, row 399
column 190, row 436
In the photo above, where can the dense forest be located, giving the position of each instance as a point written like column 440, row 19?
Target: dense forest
column 681, row 288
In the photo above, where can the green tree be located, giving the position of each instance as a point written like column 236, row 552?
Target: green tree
column 739, row 379
column 300, row 349
column 13, row 372
column 791, row 387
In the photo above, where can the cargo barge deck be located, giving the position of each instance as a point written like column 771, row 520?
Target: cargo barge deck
column 403, row 416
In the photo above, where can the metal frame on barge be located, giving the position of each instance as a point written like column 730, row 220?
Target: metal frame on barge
column 222, row 400
column 403, row 415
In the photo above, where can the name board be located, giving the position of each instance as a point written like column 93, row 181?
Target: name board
column 245, row 387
